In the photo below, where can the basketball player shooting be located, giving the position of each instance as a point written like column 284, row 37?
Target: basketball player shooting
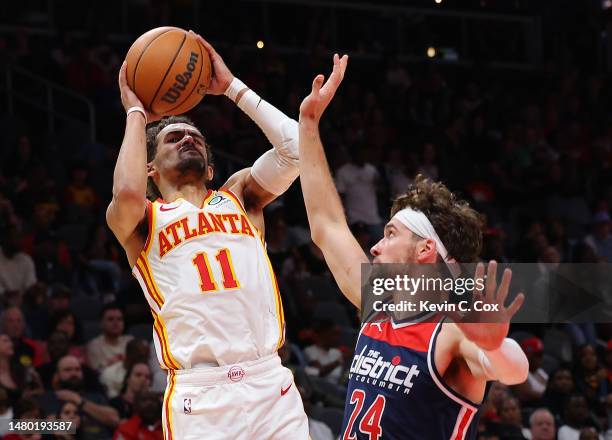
column 416, row 380
column 201, row 261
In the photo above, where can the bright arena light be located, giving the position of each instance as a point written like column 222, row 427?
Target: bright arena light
column 431, row 52
column 260, row 44
column 438, row 1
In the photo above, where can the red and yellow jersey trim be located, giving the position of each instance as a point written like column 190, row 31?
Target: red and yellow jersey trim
column 167, row 423
column 208, row 197
column 279, row 306
column 143, row 268
column 150, row 212
column 162, row 335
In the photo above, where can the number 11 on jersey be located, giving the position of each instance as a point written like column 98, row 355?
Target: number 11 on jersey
column 207, row 281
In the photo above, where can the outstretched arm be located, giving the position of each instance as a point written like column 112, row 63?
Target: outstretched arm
column 273, row 173
column 328, row 226
column 484, row 346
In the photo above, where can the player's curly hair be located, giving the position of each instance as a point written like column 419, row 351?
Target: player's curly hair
column 153, row 130
column 458, row 225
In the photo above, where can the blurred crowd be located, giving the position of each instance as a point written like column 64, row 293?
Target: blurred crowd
column 531, row 151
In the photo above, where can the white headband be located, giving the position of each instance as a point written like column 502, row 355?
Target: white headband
column 419, row 224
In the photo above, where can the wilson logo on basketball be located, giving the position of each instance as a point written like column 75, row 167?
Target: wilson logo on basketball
column 235, row 374
column 182, row 80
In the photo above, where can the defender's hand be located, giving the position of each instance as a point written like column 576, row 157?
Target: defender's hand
column 129, row 98
column 487, row 329
column 321, row 95
column 221, row 75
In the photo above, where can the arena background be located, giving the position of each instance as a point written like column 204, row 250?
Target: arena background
column 508, row 102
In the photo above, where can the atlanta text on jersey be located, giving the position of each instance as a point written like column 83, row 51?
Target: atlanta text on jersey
column 207, row 222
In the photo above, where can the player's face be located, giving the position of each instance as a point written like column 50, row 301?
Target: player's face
column 181, row 147
column 396, row 246
column 400, row 245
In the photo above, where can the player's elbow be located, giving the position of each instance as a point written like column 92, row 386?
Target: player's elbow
column 129, row 193
column 320, row 233
column 124, row 213
column 517, row 374
column 522, row 372
column 317, row 233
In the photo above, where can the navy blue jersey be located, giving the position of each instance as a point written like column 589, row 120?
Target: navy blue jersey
column 395, row 391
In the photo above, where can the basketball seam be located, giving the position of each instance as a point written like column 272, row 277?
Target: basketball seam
column 144, row 49
column 167, row 71
column 195, row 83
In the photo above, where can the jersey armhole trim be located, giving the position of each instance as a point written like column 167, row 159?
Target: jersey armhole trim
column 234, row 197
column 208, row 198
column 150, row 211
column 439, row 380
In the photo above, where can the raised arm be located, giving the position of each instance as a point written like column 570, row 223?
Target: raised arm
column 273, row 173
column 328, row 226
column 482, row 340
column 127, row 208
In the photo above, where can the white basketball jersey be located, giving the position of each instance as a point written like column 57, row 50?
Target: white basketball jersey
column 209, row 283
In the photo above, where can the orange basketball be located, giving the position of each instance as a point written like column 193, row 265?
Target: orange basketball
column 168, row 70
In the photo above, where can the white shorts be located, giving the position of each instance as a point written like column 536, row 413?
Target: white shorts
column 251, row 401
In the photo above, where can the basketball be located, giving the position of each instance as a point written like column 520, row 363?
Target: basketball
column 168, row 70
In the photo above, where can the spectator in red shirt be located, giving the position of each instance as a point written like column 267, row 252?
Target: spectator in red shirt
column 146, row 423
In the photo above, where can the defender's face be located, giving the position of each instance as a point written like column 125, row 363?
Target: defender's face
column 181, row 147
column 396, row 246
